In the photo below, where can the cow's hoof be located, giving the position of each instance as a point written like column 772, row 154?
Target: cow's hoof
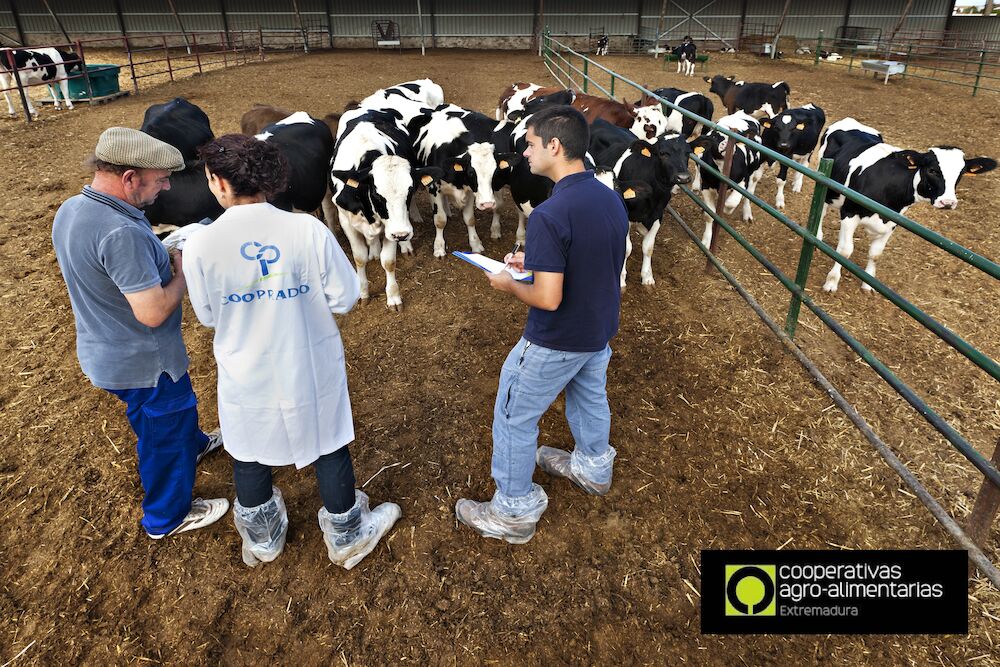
column 406, row 247
column 830, row 285
column 797, row 189
column 363, row 299
column 477, row 247
column 865, row 287
column 648, row 282
column 439, row 250
column 394, row 304
column 780, row 205
column 495, row 233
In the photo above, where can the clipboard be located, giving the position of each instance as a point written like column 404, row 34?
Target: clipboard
column 492, row 266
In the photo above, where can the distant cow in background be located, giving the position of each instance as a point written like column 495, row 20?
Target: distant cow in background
column 602, row 45
column 760, row 100
column 186, row 127
column 43, row 65
column 795, row 134
column 686, row 53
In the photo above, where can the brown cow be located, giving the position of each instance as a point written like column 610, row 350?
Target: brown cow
column 516, row 95
column 262, row 115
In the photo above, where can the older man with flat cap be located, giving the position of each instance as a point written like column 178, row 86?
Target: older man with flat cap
column 126, row 291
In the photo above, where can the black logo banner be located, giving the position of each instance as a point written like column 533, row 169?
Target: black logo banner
column 834, row 592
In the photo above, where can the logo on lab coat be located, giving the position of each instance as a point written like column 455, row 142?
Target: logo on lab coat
column 258, row 252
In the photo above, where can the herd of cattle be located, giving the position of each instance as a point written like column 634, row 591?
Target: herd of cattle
column 363, row 167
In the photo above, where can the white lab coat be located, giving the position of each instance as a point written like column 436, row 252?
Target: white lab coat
column 267, row 281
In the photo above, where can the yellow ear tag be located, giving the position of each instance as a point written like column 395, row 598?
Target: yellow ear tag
column 459, row 167
column 768, row 125
column 645, row 152
column 629, row 194
column 698, row 150
column 351, row 183
column 800, row 126
column 503, row 164
column 426, row 179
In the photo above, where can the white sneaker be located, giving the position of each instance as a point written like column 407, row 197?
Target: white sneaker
column 203, row 513
column 214, row 443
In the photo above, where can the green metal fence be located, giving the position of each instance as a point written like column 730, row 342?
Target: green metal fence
column 975, row 68
column 573, row 70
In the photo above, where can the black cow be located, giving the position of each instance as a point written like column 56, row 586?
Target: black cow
column 795, row 134
column 659, row 166
column 760, row 100
column 891, row 176
column 185, row 127
column 678, row 123
column 37, row 66
column 527, row 190
column 460, row 142
column 686, row 52
column 747, row 166
column 307, row 145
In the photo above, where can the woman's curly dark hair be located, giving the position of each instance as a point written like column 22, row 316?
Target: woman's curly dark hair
column 250, row 165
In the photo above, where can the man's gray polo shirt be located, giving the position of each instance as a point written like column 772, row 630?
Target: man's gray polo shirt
column 106, row 249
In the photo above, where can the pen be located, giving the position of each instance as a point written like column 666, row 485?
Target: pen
column 513, row 252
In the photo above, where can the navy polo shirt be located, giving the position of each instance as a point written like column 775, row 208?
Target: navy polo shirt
column 579, row 232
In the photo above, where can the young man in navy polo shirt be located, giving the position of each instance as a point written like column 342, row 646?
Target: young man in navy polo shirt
column 575, row 247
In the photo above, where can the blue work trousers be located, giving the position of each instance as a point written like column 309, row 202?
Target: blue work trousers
column 531, row 379
column 165, row 421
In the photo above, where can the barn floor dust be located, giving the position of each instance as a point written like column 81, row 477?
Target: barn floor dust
column 723, row 440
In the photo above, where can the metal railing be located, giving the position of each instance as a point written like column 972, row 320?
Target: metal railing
column 977, row 68
column 560, row 59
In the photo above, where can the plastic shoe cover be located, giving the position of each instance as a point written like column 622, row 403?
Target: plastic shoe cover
column 353, row 535
column 504, row 517
column 590, row 473
column 263, row 528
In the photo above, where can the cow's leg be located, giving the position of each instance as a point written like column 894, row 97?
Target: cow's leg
column 393, row 299
column 469, row 215
column 330, row 215
column 819, row 229
column 359, row 249
column 54, row 95
column 495, row 225
column 845, row 246
column 779, row 195
column 648, row 239
column 27, row 97
column 440, row 221
column 696, row 181
column 375, row 248
column 797, row 184
column 415, row 215
column 64, row 87
column 876, row 249
column 733, row 199
column 628, row 251
column 7, row 82
column 680, row 62
column 752, row 188
column 445, row 207
column 523, row 211
column 710, row 196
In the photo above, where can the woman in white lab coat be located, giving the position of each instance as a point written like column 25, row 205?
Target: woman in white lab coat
column 267, row 281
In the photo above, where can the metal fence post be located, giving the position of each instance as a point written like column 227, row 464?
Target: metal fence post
column 166, row 50
column 612, row 86
column 20, row 88
column 225, row 54
column 197, row 55
column 909, row 49
column 720, row 200
column 260, row 41
column 131, row 65
column 854, row 50
column 86, row 75
column 979, row 72
column 806, row 254
column 819, row 45
column 585, row 76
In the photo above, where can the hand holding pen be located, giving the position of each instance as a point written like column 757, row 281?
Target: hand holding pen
column 515, row 260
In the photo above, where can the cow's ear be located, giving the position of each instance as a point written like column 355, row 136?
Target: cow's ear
column 914, row 160
column 766, row 124
column 350, row 178
column 507, row 160
column 731, row 78
column 427, row 175
column 634, row 191
column 800, row 126
column 642, row 147
column 980, row 165
column 707, row 79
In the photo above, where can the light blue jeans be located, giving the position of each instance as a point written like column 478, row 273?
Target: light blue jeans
column 531, row 379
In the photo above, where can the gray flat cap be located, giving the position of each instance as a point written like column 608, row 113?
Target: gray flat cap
column 131, row 148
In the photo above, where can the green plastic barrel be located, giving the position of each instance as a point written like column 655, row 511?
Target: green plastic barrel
column 103, row 81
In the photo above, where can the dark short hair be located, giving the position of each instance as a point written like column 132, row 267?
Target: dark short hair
column 94, row 163
column 566, row 124
column 251, row 166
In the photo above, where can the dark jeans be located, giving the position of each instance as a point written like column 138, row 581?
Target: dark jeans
column 334, row 474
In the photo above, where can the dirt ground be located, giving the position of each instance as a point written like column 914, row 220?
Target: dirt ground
column 723, row 440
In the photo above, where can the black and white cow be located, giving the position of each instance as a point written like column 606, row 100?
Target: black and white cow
column 747, row 167
column 760, row 100
column 686, row 53
column 424, row 91
column 678, row 123
column 659, row 167
column 891, row 176
column 307, row 145
column 185, row 127
column 461, row 143
column 373, row 176
column 602, row 45
column 527, row 190
column 795, row 134
column 43, row 65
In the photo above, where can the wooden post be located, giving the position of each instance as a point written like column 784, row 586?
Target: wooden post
column 899, row 23
column 17, row 23
column 180, row 24
column 742, row 25
column 225, row 21
column 302, row 26
column 329, row 21
column 536, row 28
column 121, row 18
column 56, row 19
column 777, row 30
column 659, row 29
column 985, row 510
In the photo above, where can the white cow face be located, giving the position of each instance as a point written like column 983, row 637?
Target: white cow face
column 392, row 184
column 484, row 166
column 649, row 122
